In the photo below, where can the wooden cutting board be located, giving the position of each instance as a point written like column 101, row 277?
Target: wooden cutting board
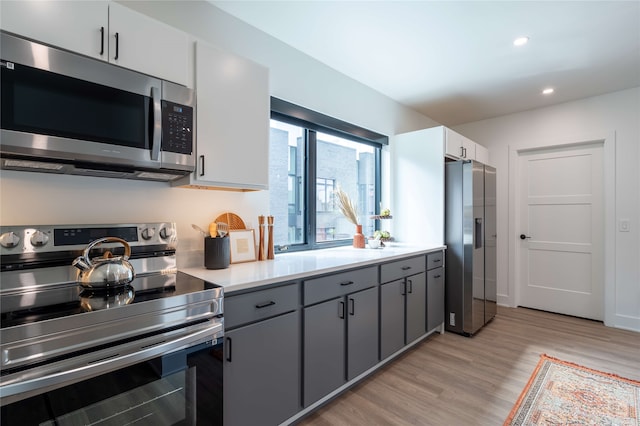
column 233, row 220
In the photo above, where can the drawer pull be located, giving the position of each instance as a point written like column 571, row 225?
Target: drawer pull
column 406, row 268
column 264, row 305
column 346, row 283
column 437, row 276
column 436, row 260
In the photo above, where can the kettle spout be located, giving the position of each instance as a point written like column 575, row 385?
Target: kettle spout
column 81, row 263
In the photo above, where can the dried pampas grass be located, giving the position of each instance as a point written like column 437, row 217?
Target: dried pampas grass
column 347, row 207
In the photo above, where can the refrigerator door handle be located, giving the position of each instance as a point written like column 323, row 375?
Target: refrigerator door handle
column 477, row 234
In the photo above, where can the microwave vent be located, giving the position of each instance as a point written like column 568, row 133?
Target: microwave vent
column 32, row 165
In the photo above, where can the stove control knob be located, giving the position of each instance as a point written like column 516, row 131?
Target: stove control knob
column 166, row 233
column 39, row 239
column 9, row 239
column 148, row 233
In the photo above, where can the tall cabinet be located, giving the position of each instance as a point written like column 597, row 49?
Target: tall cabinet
column 417, row 186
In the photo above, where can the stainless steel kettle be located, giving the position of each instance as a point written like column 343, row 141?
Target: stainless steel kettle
column 106, row 271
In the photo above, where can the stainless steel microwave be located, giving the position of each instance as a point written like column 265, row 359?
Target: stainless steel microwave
column 66, row 113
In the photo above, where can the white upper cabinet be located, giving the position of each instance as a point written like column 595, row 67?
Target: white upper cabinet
column 460, row 147
column 92, row 27
column 146, row 45
column 232, row 127
column 79, row 26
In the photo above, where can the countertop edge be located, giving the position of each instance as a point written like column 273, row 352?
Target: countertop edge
column 288, row 267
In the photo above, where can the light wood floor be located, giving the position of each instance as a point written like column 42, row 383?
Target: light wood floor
column 454, row 380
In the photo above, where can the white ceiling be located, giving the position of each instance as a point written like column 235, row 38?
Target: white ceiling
column 455, row 61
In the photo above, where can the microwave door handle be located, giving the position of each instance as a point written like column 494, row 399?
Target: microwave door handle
column 157, row 124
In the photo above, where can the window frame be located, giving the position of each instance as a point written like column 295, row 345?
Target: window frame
column 313, row 122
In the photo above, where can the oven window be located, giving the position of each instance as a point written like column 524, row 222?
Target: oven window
column 42, row 102
column 181, row 388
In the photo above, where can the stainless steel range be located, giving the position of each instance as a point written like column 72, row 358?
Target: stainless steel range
column 146, row 350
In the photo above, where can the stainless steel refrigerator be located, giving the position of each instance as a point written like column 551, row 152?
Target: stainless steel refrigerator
column 470, row 236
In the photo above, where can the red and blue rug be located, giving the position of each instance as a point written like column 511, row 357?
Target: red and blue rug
column 564, row 393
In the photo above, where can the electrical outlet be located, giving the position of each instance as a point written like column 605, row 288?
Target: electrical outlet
column 452, row 319
column 624, row 225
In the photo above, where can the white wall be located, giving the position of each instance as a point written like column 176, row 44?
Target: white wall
column 614, row 115
column 33, row 198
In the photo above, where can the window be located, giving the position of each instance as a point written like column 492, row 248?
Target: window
column 308, row 160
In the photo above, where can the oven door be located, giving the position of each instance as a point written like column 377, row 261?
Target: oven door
column 68, row 107
column 181, row 387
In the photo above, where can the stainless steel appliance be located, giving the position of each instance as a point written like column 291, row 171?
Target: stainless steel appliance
column 147, row 352
column 470, row 236
column 66, row 113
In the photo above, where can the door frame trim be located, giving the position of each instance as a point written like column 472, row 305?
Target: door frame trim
column 608, row 142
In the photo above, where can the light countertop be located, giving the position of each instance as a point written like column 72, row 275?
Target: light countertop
column 292, row 266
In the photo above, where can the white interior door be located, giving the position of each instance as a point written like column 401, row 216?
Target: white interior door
column 561, row 241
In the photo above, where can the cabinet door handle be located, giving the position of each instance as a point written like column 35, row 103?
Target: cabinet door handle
column 202, row 165
column 353, row 306
column 410, row 285
column 101, row 41
column 346, row 283
column 437, row 276
column 117, row 46
column 264, row 305
column 341, row 310
column 404, row 289
column 228, row 348
column 406, row 268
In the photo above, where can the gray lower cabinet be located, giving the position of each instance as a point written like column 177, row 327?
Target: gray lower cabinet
column 262, row 356
column 340, row 342
column 416, row 294
column 324, row 348
column 402, row 313
column 435, row 298
column 362, row 331
column 262, row 372
column 391, row 317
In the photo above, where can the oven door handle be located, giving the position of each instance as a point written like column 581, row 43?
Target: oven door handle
column 156, row 138
column 106, row 361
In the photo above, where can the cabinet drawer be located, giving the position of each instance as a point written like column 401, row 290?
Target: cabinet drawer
column 259, row 304
column 401, row 268
column 324, row 288
column 434, row 260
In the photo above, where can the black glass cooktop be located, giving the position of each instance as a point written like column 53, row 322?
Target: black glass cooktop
column 73, row 299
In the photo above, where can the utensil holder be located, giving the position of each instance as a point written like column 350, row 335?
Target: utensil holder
column 217, row 253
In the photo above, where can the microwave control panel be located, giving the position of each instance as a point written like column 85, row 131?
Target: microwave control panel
column 177, row 128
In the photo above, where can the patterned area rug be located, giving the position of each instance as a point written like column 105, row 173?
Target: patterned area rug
column 563, row 393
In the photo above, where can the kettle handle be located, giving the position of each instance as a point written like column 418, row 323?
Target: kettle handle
column 127, row 247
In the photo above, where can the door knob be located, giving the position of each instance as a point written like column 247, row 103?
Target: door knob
column 524, row 237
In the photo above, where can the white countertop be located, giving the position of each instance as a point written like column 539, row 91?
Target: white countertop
column 291, row 266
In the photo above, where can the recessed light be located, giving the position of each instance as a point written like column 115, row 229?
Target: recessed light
column 548, row 91
column 520, row 41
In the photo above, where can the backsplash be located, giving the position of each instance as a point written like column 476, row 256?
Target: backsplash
column 38, row 198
